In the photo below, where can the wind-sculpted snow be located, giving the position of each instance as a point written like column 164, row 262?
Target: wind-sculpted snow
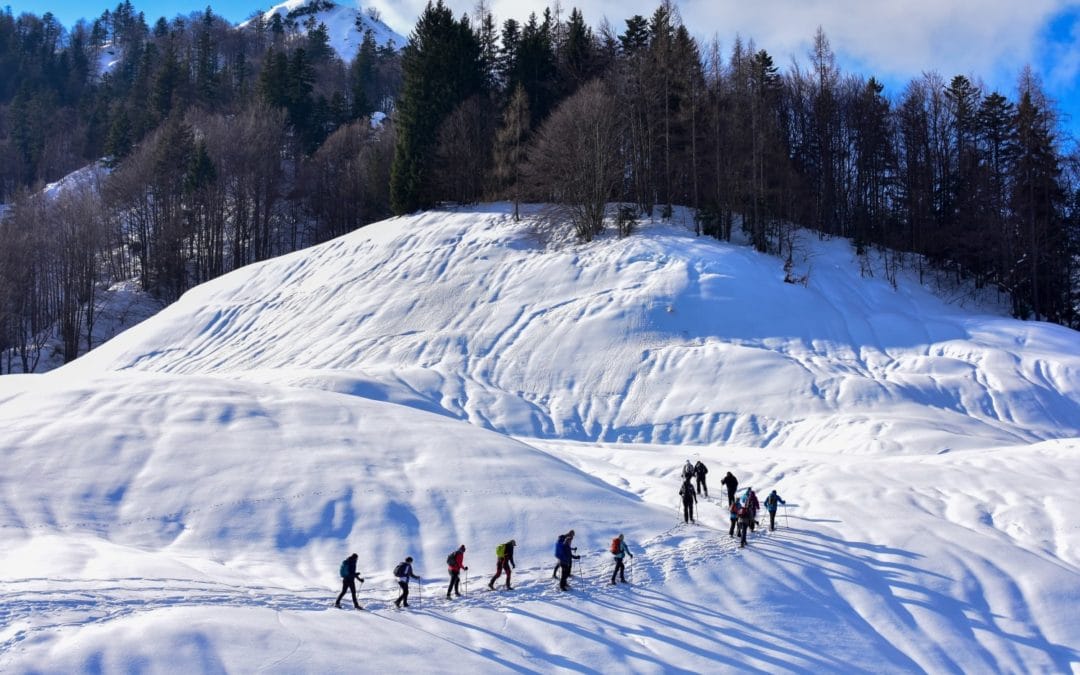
column 659, row 337
column 179, row 499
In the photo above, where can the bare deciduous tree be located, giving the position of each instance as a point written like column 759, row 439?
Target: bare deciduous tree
column 575, row 162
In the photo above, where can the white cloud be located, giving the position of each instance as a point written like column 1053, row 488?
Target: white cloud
column 891, row 39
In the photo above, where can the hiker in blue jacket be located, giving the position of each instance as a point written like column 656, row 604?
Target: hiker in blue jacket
column 348, row 580
column 771, row 503
column 619, row 550
column 564, row 551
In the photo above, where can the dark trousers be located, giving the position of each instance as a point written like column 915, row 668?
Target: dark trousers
column 403, row 599
column 772, row 520
column 348, row 584
column 701, row 485
column 731, row 532
column 503, row 565
column 744, row 525
column 620, row 570
column 455, row 581
column 564, row 567
column 730, row 496
column 688, row 512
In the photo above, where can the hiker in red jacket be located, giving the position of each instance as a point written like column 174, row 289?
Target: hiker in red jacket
column 455, row 563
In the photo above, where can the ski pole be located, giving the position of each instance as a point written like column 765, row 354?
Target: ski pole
column 786, row 525
column 466, row 582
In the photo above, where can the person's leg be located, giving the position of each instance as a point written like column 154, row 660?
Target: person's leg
column 506, row 566
column 344, row 587
column 565, row 575
column 352, row 589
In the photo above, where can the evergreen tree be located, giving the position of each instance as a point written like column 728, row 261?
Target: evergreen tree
column 441, row 68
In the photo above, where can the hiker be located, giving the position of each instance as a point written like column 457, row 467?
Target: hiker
column 732, row 484
column 771, row 503
column 699, row 472
column 564, row 551
column 504, row 554
column 558, row 565
column 404, row 572
column 348, row 580
column 752, row 503
column 455, row 562
column 741, row 508
column 733, row 514
column 688, row 470
column 689, row 498
column 619, row 549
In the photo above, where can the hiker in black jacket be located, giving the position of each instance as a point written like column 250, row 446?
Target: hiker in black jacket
column 732, row 484
column 699, row 472
column 404, row 572
column 348, row 581
column 505, row 561
column 689, row 498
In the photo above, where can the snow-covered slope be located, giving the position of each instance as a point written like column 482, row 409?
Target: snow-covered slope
column 661, row 337
column 341, row 22
column 180, row 498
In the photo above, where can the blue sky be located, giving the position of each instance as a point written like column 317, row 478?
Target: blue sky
column 988, row 40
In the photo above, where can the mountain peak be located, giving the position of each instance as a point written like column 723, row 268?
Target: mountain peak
column 345, row 24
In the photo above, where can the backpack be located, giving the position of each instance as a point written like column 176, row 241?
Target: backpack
column 343, row 571
column 399, row 571
column 500, row 551
column 700, row 468
column 559, row 546
column 616, row 545
column 451, row 560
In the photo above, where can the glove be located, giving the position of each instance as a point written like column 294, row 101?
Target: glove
column 465, row 568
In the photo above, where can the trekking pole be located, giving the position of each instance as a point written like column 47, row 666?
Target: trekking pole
column 419, row 593
column 466, row 582
column 786, row 525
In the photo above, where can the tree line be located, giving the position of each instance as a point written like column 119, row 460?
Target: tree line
column 228, row 145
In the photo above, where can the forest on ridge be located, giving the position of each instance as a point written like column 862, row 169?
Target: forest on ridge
column 213, row 146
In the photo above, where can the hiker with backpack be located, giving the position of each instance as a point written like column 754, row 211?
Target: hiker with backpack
column 404, row 572
column 348, row 580
column 689, row 498
column 504, row 554
column 771, row 504
column 455, row 562
column 733, row 514
column 699, row 473
column 732, row 484
column 741, row 509
column 564, row 551
column 687, row 470
column 619, row 550
column 752, row 502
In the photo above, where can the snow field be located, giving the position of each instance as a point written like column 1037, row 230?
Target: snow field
column 180, row 499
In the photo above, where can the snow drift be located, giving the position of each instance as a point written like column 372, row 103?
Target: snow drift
column 180, row 498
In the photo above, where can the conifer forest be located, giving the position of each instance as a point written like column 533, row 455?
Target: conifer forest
column 207, row 146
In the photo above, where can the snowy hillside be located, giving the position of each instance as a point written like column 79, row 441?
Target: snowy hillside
column 180, row 498
column 341, row 24
column 662, row 337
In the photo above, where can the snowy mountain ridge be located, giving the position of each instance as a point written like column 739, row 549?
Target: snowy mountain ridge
column 181, row 497
column 345, row 25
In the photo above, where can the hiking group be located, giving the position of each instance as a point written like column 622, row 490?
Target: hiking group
column 742, row 508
